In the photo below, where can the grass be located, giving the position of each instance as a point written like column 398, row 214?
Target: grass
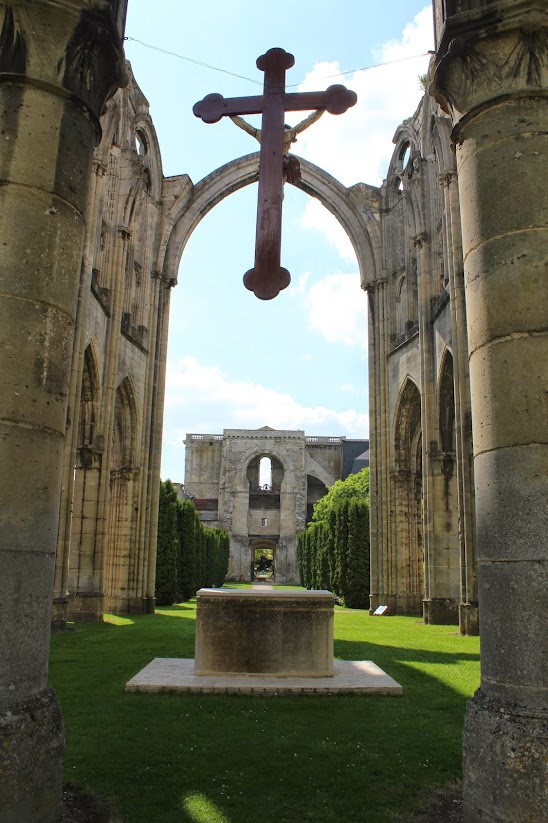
column 234, row 759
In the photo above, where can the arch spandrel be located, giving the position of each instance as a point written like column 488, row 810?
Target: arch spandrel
column 356, row 208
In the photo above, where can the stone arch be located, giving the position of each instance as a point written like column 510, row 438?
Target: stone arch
column 121, row 563
column 446, row 404
column 353, row 207
column 408, row 560
column 407, row 421
column 253, row 471
column 125, row 426
column 89, row 399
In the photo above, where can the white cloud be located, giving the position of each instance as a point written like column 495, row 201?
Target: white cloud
column 316, row 216
column 337, row 309
column 300, row 286
column 197, row 394
column 356, row 146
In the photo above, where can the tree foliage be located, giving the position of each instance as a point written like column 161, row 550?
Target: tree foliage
column 167, row 546
column 189, row 556
column 355, row 486
column 333, row 552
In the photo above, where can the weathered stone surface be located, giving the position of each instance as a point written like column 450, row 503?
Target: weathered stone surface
column 31, row 765
column 50, row 97
column 501, row 122
column 355, row 677
column 505, row 757
column 281, row 632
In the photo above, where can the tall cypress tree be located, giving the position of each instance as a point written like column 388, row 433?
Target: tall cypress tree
column 186, row 521
column 341, row 545
column 167, row 546
column 356, row 590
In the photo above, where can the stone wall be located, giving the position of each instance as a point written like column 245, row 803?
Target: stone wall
column 225, row 468
column 422, row 539
column 107, row 533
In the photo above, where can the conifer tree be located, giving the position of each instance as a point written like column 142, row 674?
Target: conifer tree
column 186, row 521
column 341, row 545
column 167, row 546
column 356, row 590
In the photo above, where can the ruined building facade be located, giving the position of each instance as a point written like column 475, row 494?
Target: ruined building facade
column 112, row 447
column 458, row 365
column 223, row 478
column 422, row 501
column 409, row 249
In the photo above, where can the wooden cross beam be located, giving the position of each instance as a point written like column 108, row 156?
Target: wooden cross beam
column 267, row 278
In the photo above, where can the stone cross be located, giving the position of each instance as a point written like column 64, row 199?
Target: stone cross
column 267, row 278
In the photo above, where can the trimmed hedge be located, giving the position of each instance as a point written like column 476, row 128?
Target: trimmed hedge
column 333, row 553
column 189, row 556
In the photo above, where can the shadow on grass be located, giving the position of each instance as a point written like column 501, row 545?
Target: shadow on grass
column 167, row 758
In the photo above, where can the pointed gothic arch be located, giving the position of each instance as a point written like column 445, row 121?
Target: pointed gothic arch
column 121, row 567
column 408, row 560
column 446, row 404
column 89, row 398
column 125, row 426
column 353, row 207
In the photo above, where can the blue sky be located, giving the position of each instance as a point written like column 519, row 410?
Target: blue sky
column 298, row 361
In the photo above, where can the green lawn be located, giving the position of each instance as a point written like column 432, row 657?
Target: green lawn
column 236, row 759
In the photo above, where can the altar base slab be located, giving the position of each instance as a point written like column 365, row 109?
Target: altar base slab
column 351, row 677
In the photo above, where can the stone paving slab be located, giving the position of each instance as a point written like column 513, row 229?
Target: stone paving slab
column 166, row 674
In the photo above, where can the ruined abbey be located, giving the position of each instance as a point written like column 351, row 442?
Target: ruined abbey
column 452, row 253
column 223, row 477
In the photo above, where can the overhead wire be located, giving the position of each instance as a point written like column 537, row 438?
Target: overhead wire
column 259, row 82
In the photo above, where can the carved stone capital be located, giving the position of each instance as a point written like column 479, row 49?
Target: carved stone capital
column 99, row 168
column 488, row 52
column 71, row 47
column 419, row 240
column 447, row 177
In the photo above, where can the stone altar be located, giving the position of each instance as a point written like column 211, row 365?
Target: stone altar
column 247, row 631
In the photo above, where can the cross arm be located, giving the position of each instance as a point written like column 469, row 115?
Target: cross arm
column 215, row 106
column 336, row 100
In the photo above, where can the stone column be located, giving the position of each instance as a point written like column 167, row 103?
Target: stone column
column 58, row 63
column 379, row 446
column 491, row 74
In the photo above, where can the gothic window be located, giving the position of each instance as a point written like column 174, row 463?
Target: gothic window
column 124, row 426
column 141, row 143
column 265, row 473
column 447, row 405
column 88, row 400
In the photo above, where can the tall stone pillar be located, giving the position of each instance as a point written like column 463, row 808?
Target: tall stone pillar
column 490, row 73
column 58, row 63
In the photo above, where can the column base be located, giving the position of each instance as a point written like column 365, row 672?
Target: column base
column 86, row 607
column 59, row 614
column 440, row 611
column 469, row 618
column 126, row 605
column 505, row 749
column 150, row 605
column 31, row 761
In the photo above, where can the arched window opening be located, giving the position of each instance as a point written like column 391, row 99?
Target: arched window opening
column 88, row 400
column 141, row 143
column 447, row 406
column 265, row 473
column 405, row 155
column 408, row 497
column 264, row 476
